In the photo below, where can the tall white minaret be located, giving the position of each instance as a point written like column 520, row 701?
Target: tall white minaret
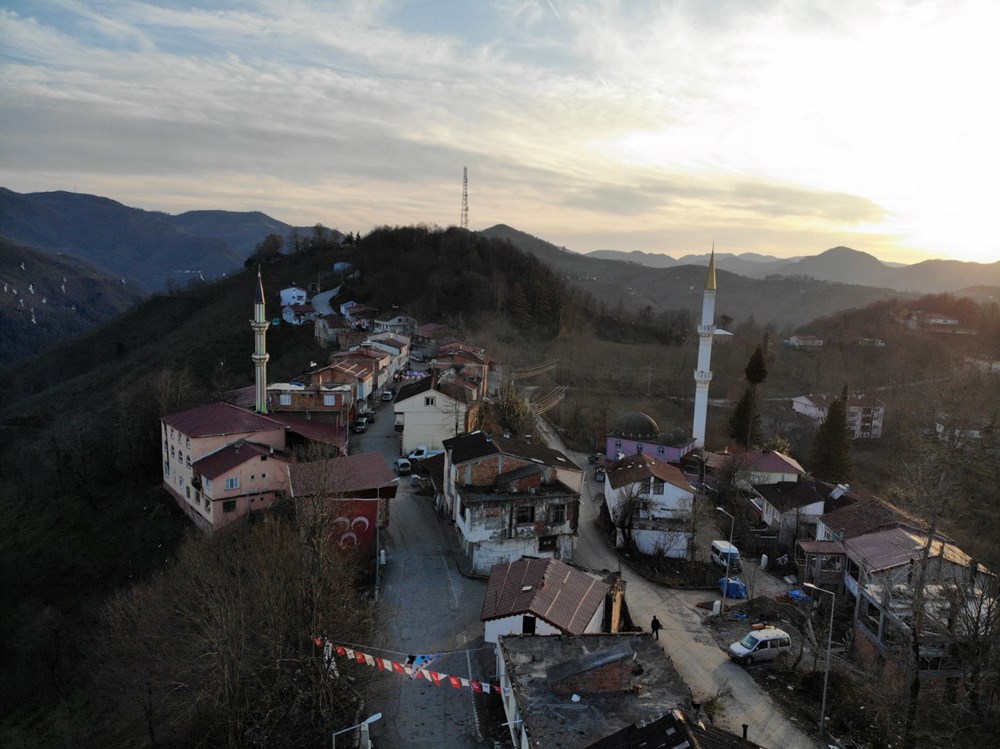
column 703, row 374
column 260, row 355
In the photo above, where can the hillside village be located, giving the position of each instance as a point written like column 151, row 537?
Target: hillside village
column 514, row 505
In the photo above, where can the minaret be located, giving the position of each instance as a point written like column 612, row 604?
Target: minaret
column 703, row 374
column 260, row 355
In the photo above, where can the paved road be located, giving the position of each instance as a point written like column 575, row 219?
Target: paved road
column 425, row 606
column 705, row 668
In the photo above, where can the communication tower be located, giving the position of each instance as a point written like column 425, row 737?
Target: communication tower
column 464, row 223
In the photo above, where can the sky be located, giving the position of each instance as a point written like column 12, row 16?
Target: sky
column 783, row 127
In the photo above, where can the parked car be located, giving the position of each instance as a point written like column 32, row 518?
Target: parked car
column 599, row 473
column 722, row 551
column 360, row 424
column 388, row 395
column 760, row 645
column 403, row 466
column 594, row 457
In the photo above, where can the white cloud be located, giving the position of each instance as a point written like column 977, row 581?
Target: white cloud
column 773, row 120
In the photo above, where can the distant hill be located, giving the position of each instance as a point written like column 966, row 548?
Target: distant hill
column 779, row 300
column 839, row 265
column 242, row 231
column 750, row 264
column 64, row 295
column 147, row 248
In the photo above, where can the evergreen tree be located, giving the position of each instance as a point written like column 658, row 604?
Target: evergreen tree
column 831, row 458
column 756, row 369
column 744, row 423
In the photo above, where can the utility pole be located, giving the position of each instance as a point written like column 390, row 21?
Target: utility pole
column 464, row 222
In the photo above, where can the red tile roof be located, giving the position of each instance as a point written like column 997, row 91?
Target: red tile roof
column 551, row 590
column 341, row 476
column 219, row 419
column 236, row 454
column 633, row 468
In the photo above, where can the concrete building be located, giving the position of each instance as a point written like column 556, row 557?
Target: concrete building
column 575, row 691
column 635, row 433
column 509, row 499
column 433, row 409
column 865, row 414
column 654, row 499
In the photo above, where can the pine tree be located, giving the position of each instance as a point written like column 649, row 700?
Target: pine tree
column 744, row 423
column 831, row 457
column 756, row 369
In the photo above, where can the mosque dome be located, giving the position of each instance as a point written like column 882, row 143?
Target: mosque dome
column 637, row 425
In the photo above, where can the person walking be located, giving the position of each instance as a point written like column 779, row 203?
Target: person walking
column 656, row 627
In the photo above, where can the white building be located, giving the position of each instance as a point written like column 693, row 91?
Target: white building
column 431, row 410
column 660, row 499
column 865, row 415
column 293, row 295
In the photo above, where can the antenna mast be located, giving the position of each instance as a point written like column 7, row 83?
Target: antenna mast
column 464, row 223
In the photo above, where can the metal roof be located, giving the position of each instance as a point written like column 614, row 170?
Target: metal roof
column 553, row 591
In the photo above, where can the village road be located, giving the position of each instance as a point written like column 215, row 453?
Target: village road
column 705, row 668
column 425, row 606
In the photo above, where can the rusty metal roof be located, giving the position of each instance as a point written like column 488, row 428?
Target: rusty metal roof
column 551, row 590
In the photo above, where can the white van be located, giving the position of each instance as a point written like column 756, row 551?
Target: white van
column 723, row 550
column 760, row 645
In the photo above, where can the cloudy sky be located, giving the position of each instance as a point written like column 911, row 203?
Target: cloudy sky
column 783, row 127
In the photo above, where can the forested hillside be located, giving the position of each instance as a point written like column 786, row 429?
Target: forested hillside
column 48, row 297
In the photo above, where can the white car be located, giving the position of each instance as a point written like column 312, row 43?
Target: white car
column 403, row 466
column 760, row 645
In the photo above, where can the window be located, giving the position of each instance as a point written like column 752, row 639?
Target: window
column 285, row 399
column 187, row 443
column 618, row 445
column 187, row 461
column 263, row 475
column 233, row 483
column 207, row 482
column 557, row 514
column 638, row 449
column 659, row 451
column 166, row 468
column 547, row 543
column 525, row 514
column 188, row 490
column 429, row 400
column 229, row 505
column 180, row 481
column 329, row 400
column 173, row 451
column 657, row 486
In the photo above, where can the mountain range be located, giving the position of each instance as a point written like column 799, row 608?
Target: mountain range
column 149, row 249
column 839, row 265
column 781, row 300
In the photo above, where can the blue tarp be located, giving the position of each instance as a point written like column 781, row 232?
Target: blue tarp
column 736, row 588
column 797, row 595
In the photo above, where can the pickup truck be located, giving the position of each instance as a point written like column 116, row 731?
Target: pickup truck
column 422, row 453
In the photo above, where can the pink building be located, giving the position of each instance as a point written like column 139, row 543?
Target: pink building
column 221, row 462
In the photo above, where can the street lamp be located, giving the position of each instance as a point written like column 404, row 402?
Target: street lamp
column 362, row 724
column 729, row 554
column 829, row 645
